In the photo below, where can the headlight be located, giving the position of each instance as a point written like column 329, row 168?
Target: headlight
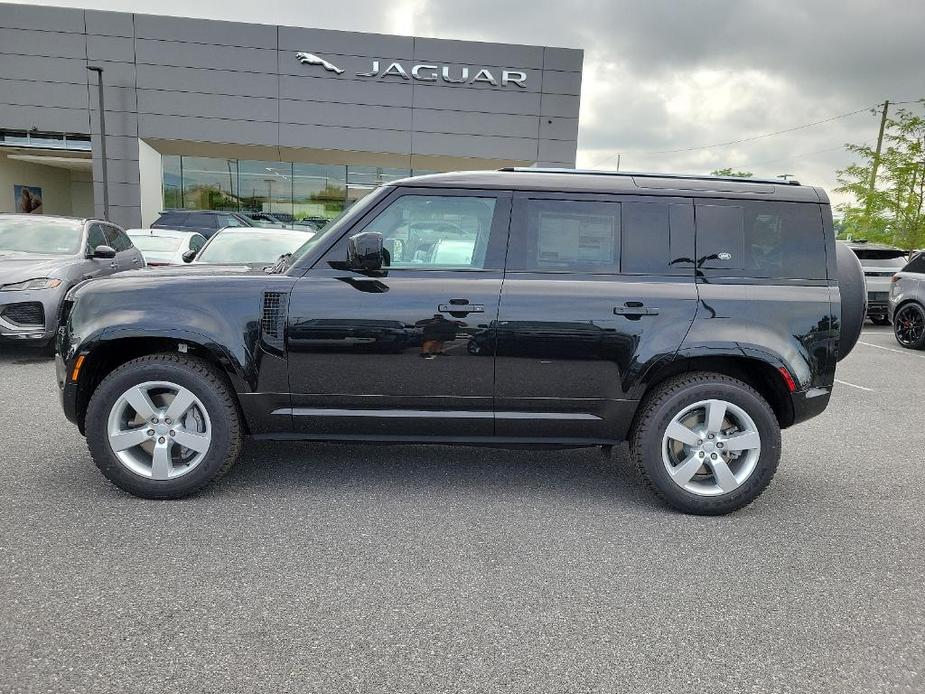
column 37, row 283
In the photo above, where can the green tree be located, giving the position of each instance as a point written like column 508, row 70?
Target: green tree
column 730, row 173
column 894, row 211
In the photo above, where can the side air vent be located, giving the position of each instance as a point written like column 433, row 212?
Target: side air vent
column 273, row 320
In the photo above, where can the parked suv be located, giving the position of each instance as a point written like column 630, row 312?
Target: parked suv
column 205, row 222
column 907, row 303
column 693, row 317
column 42, row 257
column 879, row 263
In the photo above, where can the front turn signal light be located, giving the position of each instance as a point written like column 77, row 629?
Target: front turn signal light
column 75, row 372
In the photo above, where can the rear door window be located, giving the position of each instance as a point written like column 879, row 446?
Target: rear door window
column 917, row 264
column 780, row 240
column 172, row 219
column 566, row 236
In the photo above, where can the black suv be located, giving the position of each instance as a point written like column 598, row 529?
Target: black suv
column 205, row 222
column 693, row 317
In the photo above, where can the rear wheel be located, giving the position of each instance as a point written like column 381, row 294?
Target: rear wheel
column 163, row 426
column 706, row 443
column 909, row 326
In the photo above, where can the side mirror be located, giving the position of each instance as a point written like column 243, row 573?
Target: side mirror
column 104, row 252
column 188, row 256
column 365, row 252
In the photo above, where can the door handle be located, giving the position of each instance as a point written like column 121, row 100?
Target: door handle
column 634, row 309
column 460, row 306
column 135, row 259
column 114, row 266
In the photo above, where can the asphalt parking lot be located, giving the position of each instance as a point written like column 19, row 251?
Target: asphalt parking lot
column 341, row 568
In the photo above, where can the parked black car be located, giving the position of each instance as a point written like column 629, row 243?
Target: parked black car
column 205, row 222
column 42, row 257
column 694, row 317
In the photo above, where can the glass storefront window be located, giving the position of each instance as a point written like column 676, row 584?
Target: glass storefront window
column 172, row 182
column 265, row 186
column 209, row 184
column 318, row 191
column 362, row 180
column 311, row 193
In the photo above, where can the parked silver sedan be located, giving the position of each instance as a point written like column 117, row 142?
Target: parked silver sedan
column 42, row 257
column 166, row 246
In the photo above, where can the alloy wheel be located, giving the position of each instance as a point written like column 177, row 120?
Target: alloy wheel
column 711, row 447
column 159, row 430
column 909, row 325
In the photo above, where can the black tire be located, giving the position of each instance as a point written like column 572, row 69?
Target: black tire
column 669, row 399
column 909, row 325
column 880, row 320
column 207, row 384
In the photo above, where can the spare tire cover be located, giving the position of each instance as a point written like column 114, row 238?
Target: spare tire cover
column 853, row 299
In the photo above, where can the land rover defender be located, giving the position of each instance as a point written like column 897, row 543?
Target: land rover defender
column 692, row 317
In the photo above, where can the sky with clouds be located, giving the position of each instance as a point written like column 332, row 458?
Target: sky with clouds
column 663, row 77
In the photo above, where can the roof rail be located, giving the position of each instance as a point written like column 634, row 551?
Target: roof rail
column 649, row 174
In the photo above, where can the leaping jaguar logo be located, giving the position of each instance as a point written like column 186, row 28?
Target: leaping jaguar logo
column 312, row 59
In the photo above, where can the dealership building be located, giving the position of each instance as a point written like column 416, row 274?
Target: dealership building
column 252, row 117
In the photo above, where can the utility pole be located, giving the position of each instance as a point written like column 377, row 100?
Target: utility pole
column 619, row 157
column 105, row 163
column 876, row 163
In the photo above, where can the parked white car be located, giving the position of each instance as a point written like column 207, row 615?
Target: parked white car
column 249, row 246
column 880, row 263
column 165, row 246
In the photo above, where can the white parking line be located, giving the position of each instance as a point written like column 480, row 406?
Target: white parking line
column 845, row 383
column 890, row 349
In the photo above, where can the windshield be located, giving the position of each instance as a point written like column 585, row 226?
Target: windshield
column 250, row 246
column 162, row 244
column 332, row 228
column 45, row 236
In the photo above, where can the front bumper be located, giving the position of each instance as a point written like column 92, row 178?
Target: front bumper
column 30, row 316
column 67, row 391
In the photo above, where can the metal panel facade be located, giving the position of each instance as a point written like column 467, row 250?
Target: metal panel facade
column 194, row 80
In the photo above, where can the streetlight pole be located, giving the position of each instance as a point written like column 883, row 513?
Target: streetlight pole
column 105, row 162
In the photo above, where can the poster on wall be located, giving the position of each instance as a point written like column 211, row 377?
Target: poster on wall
column 27, row 199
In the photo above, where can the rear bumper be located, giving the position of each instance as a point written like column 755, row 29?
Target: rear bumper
column 878, row 304
column 808, row 403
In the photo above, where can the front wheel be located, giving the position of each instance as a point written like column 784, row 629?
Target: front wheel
column 163, row 426
column 909, row 326
column 705, row 443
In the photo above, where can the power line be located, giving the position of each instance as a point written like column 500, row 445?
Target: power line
column 744, row 139
column 801, row 155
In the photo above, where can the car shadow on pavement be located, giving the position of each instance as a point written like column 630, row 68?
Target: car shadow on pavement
column 584, row 474
column 13, row 353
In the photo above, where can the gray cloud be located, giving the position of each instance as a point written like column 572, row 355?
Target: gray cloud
column 668, row 74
